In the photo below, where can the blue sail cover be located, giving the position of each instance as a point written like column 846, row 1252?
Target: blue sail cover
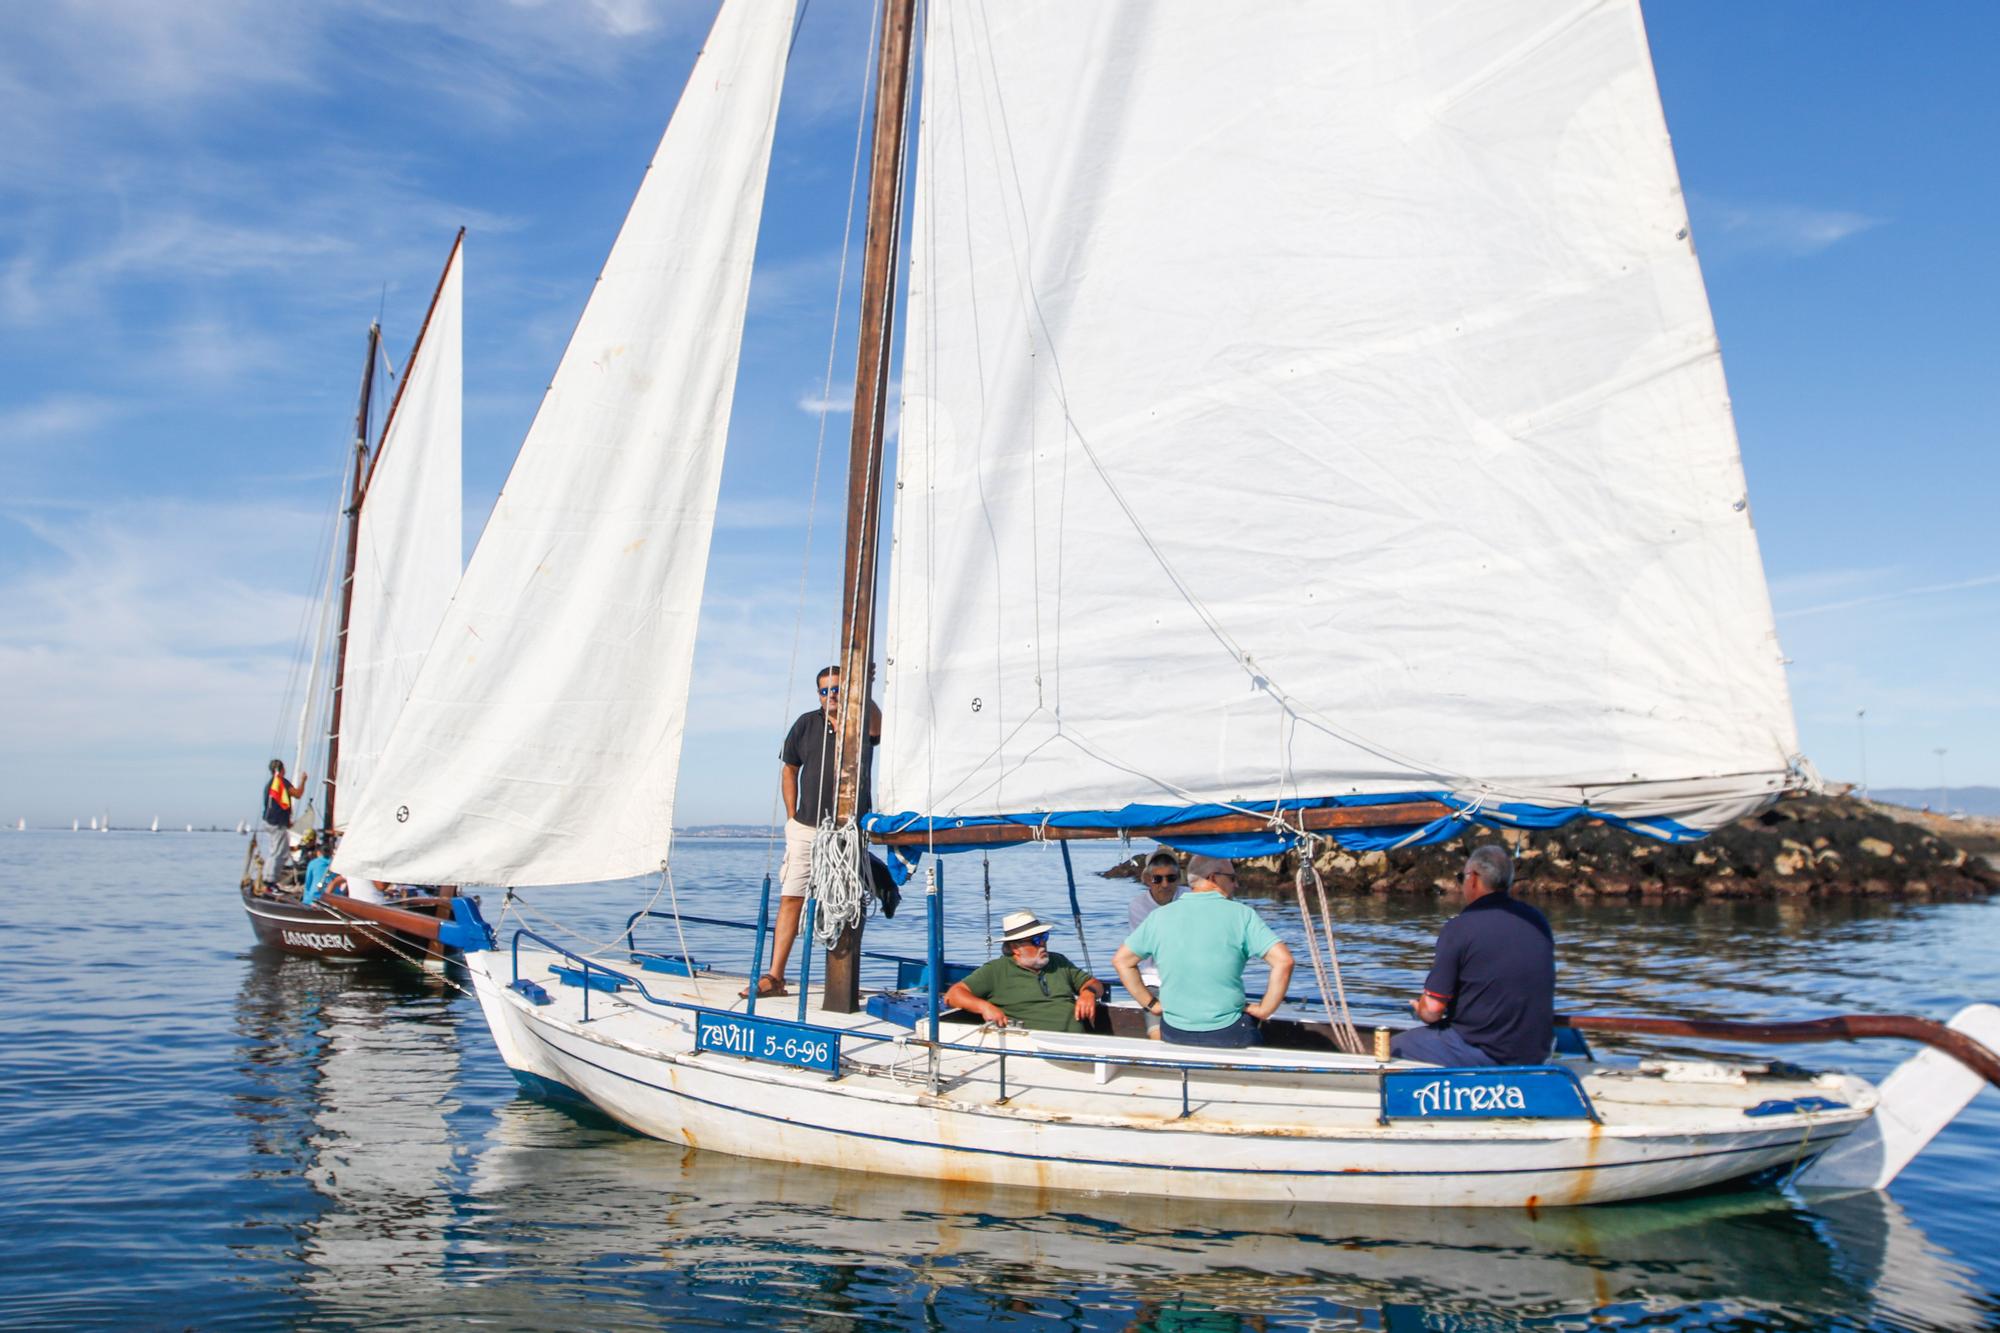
column 1159, row 820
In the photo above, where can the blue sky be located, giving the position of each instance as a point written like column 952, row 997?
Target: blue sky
column 203, row 204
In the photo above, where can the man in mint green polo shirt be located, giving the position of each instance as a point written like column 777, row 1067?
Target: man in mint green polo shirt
column 1201, row 942
column 1027, row 985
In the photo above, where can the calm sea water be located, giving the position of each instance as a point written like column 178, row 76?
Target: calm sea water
column 196, row 1133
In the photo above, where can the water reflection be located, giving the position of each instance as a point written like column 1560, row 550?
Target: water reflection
column 352, row 1073
column 779, row 1238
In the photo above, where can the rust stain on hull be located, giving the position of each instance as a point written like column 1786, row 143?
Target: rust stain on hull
column 1586, row 1178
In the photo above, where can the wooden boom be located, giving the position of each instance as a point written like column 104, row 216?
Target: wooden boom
column 1845, row 1027
column 1407, row 813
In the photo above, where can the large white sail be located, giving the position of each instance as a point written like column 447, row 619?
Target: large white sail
column 541, row 741
column 1306, row 400
column 411, row 541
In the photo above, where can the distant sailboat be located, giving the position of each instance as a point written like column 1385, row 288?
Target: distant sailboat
column 242, row 827
column 156, row 824
column 20, row 826
column 73, row 826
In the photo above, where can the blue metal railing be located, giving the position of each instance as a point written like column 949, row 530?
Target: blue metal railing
column 757, row 950
column 806, row 956
column 1183, row 1067
column 633, row 920
column 1389, row 1016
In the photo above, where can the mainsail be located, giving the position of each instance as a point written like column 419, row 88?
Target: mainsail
column 410, row 543
column 541, row 741
column 1314, row 408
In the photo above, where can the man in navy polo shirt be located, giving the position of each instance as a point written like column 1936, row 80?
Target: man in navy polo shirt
column 1490, row 998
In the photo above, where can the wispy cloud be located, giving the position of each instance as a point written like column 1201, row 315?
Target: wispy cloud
column 141, row 631
column 745, row 658
column 763, row 514
column 1899, row 595
column 813, row 404
column 1814, row 583
column 1786, row 228
column 57, row 415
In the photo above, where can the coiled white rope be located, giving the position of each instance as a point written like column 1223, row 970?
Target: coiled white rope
column 836, row 880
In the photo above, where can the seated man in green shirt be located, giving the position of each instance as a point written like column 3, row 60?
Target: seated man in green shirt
column 1201, row 941
column 1027, row 984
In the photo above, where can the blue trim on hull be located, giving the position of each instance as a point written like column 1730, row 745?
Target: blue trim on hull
column 1145, row 1166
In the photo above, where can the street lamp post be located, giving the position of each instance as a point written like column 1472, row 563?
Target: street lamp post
column 1861, row 728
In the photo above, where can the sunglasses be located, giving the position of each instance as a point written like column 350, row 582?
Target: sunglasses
column 1040, row 939
column 1171, row 877
column 828, row 691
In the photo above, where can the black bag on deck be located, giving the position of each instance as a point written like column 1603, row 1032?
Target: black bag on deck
column 884, row 884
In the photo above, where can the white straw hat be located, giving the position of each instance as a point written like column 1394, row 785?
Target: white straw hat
column 1017, row 926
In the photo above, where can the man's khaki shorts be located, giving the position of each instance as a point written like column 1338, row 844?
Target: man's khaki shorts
column 795, row 874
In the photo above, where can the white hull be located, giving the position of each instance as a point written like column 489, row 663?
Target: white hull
column 1248, row 1136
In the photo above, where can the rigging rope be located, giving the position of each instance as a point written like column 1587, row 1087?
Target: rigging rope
column 1345, row 1034
column 825, row 410
column 519, row 905
column 673, row 894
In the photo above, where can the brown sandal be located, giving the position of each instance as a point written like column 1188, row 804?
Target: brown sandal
column 767, row 985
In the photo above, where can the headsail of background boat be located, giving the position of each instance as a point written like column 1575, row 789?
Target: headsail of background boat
column 1312, row 401
column 411, row 540
column 541, row 741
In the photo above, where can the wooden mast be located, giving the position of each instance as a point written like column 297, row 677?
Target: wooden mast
column 842, row 989
column 355, row 492
column 364, row 474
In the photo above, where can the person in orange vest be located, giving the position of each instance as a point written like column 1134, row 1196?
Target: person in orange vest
column 273, row 838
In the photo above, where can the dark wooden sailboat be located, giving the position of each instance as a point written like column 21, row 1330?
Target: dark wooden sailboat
column 382, row 920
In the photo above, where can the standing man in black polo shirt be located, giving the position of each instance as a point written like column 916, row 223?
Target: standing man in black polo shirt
column 810, row 756
column 1490, row 997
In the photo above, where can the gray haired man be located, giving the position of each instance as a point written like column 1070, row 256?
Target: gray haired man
column 1490, row 995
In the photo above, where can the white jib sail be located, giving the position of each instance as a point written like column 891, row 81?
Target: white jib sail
column 541, row 741
column 411, row 544
column 1309, row 399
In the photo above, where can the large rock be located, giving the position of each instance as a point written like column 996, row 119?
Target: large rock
column 1821, row 846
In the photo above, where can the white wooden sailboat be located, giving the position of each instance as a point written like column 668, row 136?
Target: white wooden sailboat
column 1355, row 353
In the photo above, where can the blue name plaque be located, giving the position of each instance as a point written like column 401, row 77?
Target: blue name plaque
column 1511, row 1092
column 768, row 1039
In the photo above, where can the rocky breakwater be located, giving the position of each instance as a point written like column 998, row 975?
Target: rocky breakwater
column 1814, row 847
